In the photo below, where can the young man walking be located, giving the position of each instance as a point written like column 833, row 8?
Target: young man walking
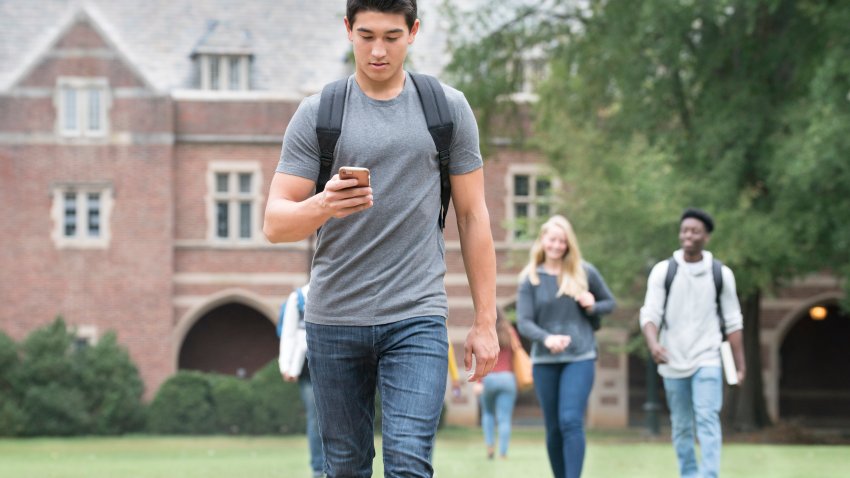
column 378, row 306
column 690, row 316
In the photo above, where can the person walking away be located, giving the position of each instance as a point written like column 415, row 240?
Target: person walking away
column 378, row 303
column 691, row 302
column 294, row 368
column 560, row 302
column 499, row 392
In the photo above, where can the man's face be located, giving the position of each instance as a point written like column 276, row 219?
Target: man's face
column 380, row 43
column 692, row 236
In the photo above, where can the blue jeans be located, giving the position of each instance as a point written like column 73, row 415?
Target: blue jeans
column 497, row 405
column 408, row 362
column 697, row 398
column 317, row 459
column 563, row 390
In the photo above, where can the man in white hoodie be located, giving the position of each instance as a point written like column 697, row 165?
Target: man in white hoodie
column 691, row 319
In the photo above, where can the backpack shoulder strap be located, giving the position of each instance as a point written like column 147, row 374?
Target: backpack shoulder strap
column 672, row 267
column 300, row 295
column 280, row 319
column 329, row 127
column 717, row 272
column 441, row 127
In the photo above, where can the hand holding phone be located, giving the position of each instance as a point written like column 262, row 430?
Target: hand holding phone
column 360, row 174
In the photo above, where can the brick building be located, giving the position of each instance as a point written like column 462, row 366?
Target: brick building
column 137, row 141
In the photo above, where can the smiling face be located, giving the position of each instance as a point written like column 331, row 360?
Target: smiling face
column 380, row 42
column 693, row 236
column 555, row 245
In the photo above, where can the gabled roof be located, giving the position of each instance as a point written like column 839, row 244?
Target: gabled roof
column 297, row 45
column 223, row 38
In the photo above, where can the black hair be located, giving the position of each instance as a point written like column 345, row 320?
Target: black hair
column 403, row 7
column 700, row 215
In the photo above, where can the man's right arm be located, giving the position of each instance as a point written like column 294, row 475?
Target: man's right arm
column 652, row 311
column 293, row 213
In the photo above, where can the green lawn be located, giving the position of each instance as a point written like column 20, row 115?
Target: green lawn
column 459, row 454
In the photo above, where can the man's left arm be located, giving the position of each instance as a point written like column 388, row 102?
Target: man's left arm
column 479, row 260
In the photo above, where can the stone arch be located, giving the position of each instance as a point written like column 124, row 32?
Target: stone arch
column 773, row 343
column 213, row 302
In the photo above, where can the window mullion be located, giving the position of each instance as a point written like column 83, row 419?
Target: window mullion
column 82, row 215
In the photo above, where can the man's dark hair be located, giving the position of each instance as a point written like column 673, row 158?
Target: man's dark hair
column 403, row 7
column 700, row 215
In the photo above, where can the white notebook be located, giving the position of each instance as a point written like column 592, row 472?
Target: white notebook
column 299, row 354
column 728, row 360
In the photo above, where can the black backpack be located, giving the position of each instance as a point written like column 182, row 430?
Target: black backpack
column 437, row 116
column 716, row 270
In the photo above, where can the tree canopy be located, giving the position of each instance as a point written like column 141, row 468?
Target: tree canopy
column 645, row 107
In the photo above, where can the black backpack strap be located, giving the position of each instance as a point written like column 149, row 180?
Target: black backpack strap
column 329, row 127
column 672, row 267
column 717, row 271
column 441, row 127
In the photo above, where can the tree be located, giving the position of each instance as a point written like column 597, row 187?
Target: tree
column 737, row 106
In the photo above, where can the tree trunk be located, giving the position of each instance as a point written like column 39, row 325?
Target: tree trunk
column 745, row 408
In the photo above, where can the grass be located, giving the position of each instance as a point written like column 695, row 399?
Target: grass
column 459, row 453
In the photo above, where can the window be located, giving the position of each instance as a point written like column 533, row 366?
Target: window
column 530, row 203
column 530, row 69
column 224, row 72
column 235, row 204
column 82, row 105
column 81, row 214
column 84, row 336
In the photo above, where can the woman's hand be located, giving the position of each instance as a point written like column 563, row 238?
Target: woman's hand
column 557, row 343
column 586, row 300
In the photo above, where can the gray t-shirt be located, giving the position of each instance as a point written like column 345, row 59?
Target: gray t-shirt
column 386, row 263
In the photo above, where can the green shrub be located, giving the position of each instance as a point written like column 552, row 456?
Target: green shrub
column 55, row 409
column 47, row 382
column 183, row 405
column 198, row 403
column 279, row 409
column 58, row 387
column 234, row 404
column 113, row 387
column 12, row 418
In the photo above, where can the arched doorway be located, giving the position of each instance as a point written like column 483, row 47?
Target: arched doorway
column 814, row 380
column 232, row 339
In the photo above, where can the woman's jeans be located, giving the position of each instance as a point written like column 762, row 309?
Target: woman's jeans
column 314, row 441
column 696, row 400
column 563, row 390
column 408, row 362
column 497, row 405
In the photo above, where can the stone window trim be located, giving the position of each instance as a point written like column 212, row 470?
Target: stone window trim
column 85, row 335
column 82, row 239
column 233, row 197
column 532, row 200
column 86, row 124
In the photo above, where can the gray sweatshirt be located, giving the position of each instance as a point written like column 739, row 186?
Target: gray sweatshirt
column 692, row 334
column 540, row 314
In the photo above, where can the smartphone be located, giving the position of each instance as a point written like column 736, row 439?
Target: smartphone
column 361, row 174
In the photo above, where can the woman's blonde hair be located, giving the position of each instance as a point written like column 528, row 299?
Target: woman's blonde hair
column 572, row 280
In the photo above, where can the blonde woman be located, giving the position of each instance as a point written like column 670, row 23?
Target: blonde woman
column 559, row 303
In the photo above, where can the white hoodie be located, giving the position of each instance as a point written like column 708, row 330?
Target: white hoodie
column 692, row 331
